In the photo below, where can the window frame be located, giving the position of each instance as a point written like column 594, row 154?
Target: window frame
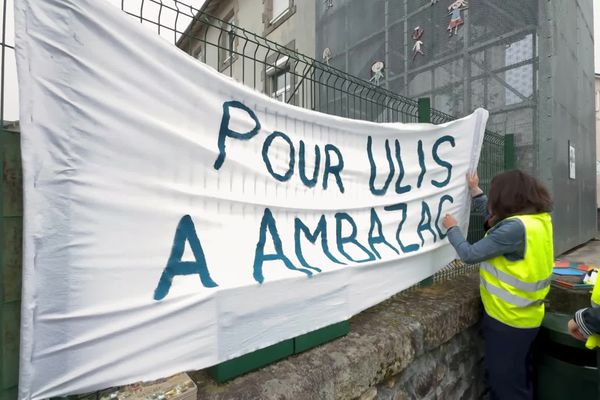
column 277, row 65
column 226, row 57
column 272, row 22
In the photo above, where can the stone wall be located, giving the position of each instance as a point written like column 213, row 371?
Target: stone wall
column 421, row 344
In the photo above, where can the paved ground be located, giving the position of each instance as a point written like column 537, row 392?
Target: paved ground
column 588, row 253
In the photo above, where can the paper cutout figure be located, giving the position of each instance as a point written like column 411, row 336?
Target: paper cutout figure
column 418, row 46
column 455, row 12
column 377, row 69
column 328, row 3
column 327, row 55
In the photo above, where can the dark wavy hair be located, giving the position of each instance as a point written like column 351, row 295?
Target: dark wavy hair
column 515, row 192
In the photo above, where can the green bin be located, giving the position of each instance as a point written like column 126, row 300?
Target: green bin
column 565, row 369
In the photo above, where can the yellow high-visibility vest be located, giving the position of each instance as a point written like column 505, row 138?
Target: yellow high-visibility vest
column 594, row 340
column 513, row 292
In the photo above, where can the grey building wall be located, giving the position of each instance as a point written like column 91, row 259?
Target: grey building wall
column 295, row 30
column 566, row 115
column 529, row 62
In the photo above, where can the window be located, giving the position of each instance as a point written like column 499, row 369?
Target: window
column 226, row 40
column 279, row 8
column 280, row 79
column 282, row 86
column 276, row 12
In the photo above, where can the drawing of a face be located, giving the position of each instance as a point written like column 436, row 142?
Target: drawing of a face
column 377, row 67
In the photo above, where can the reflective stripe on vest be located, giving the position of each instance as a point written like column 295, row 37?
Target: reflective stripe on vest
column 515, row 282
column 513, row 292
column 507, row 296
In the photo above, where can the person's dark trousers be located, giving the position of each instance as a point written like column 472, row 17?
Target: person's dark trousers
column 508, row 360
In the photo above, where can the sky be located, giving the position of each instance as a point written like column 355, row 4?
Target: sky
column 11, row 111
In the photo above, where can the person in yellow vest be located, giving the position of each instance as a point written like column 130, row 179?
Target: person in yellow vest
column 517, row 258
column 585, row 325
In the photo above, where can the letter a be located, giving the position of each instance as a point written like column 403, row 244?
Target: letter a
column 185, row 232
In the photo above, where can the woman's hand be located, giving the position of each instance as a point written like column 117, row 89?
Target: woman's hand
column 449, row 221
column 473, row 182
column 574, row 330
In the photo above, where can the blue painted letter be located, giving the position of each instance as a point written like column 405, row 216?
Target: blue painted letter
column 309, row 182
column 399, row 188
column 373, row 240
column 388, row 155
column 421, row 163
column 425, row 225
column 225, row 132
column 268, row 222
column 265, row 156
column 321, row 229
column 341, row 240
column 441, row 162
column 444, row 198
column 333, row 169
column 185, row 231
column 402, row 207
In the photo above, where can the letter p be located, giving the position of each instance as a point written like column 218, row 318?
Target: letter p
column 225, row 131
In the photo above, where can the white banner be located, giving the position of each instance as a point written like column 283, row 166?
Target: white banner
column 175, row 219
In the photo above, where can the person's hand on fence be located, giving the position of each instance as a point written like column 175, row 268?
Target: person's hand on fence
column 473, row 182
column 574, row 330
column 449, row 221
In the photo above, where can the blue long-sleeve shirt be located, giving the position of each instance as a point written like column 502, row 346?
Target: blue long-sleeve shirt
column 506, row 238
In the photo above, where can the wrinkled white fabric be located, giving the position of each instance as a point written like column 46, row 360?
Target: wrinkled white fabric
column 120, row 136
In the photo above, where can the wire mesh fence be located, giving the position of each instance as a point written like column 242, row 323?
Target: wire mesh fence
column 295, row 78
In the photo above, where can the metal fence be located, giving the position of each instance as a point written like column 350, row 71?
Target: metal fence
column 246, row 57
column 295, row 78
column 10, row 210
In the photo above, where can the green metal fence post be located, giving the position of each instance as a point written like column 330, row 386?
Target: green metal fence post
column 509, row 151
column 11, row 209
column 424, row 109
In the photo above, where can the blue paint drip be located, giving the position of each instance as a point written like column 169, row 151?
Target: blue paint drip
column 225, row 132
column 380, row 238
column 388, row 155
column 341, row 240
column 268, row 222
column 441, row 162
column 185, row 232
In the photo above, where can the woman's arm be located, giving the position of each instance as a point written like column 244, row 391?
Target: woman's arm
column 479, row 199
column 507, row 237
column 480, row 206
